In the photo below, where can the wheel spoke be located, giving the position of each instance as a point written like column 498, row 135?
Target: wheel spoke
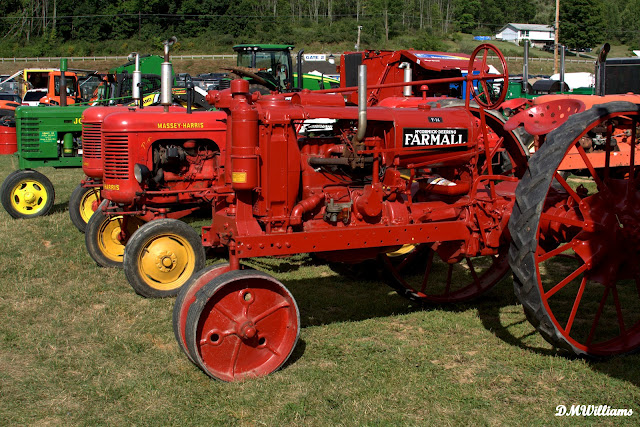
column 562, row 220
column 616, row 302
column 473, row 272
column 592, row 170
column 449, row 274
column 567, row 187
column 234, row 357
column 596, row 319
column 270, row 311
column 222, row 310
column 560, row 249
column 564, row 282
column 576, row 303
column 427, row 271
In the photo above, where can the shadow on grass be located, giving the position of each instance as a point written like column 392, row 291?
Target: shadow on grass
column 59, row 207
column 624, row 367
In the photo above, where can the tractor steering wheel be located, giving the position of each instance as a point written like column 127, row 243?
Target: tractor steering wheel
column 488, row 98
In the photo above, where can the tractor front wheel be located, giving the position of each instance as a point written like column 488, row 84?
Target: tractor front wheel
column 242, row 324
column 82, row 204
column 27, row 194
column 161, row 256
column 576, row 241
column 106, row 236
column 187, row 296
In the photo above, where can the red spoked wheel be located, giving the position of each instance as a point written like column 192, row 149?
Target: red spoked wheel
column 576, row 241
column 422, row 276
column 243, row 324
column 489, row 98
column 187, row 296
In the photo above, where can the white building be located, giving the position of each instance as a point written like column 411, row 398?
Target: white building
column 538, row 35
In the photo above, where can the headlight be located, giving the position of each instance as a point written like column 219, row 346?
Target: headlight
column 141, row 172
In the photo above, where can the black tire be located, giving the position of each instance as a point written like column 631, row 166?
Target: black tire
column 94, row 239
column 161, row 256
column 78, row 208
column 525, row 221
column 27, row 194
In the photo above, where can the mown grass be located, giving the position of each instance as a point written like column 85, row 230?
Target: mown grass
column 79, row 347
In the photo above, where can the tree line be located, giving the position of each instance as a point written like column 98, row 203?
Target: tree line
column 82, row 27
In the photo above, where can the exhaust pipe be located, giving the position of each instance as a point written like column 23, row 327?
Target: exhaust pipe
column 407, row 90
column 63, row 82
column 300, row 84
column 137, row 78
column 362, row 103
column 525, row 68
column 166, row 82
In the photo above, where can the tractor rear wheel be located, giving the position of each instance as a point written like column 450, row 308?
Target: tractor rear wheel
column 27, row 194
column 421, row 276
column 106, row 236
column 242, row 324
column 82, row 204
column 161, row 256
column 187, row 296
column 576, row 242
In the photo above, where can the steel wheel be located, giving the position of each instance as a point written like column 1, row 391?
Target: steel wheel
column 187, row 296
column 27, row 194
column 106, row 236
column 82, row 204
column 575, row 244
column 242, row 324
column 421, row 275
column 161, row 256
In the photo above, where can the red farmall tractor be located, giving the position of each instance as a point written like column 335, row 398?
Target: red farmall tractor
column 407, row 183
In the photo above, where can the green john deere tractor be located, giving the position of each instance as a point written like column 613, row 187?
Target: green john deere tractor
column 51, row 136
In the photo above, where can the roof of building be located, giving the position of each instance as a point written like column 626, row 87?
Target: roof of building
column 528, row 27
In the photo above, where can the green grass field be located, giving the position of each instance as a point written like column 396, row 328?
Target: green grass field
column 79, row 347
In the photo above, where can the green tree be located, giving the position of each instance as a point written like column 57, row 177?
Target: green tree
column 581, row 23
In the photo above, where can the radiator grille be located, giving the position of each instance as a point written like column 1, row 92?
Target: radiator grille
column 91, row 144
column 30, row 134
column 116, row 156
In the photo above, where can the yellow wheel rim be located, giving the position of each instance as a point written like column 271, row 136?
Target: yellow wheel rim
column 405, row 249
column 29, row 197
column 88, row 204
column 108, row 238
column 166, row 261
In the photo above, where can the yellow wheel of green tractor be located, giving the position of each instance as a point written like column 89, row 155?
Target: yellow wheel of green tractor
column 82, row 204
column 161, row 256
column 27, row 194
column 107, row 235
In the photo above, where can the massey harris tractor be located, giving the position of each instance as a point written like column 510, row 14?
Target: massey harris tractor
column 183, row 148
column 108, row 233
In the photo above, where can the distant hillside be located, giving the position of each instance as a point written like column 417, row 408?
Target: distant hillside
column 82, row 27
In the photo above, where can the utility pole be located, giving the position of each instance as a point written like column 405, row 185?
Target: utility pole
column 358, row 42
column 557, row 32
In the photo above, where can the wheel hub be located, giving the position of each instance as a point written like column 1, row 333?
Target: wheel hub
column 248, row 330
column 166, row 261
column 115, row 235
column 29, row 198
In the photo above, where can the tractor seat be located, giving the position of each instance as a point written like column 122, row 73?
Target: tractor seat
column 543, row 118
